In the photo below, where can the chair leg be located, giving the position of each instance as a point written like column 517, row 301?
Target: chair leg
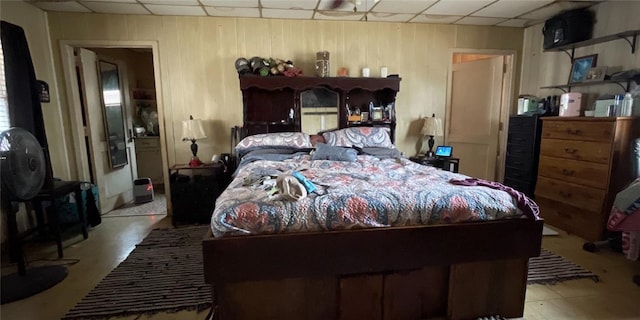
column 54, row 223
column 81, row 212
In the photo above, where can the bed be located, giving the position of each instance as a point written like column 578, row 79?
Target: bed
column 381, row 237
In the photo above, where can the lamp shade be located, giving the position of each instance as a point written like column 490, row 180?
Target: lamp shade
column 432, row 127
column 192, row 130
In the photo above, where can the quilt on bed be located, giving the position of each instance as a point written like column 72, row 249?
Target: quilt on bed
column 366, row 193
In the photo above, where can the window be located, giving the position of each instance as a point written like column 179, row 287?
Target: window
column 4, row 106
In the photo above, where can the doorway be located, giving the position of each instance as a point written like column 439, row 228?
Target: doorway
column 480, row 92
column 143, row 114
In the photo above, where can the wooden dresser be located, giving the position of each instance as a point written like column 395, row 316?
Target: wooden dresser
column 584, row 162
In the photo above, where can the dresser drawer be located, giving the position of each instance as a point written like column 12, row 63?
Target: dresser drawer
column 584, row 223
column 580, row 196
column 589, row 174
column 579, row 130
column 598, row 152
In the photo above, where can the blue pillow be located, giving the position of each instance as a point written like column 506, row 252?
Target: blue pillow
column 327, row 152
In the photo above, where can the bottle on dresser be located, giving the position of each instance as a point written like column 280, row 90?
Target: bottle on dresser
column 627, row 105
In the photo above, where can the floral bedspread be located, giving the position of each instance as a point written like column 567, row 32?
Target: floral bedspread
column 363, row 194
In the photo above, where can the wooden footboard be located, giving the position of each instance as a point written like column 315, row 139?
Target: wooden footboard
column 448, row 271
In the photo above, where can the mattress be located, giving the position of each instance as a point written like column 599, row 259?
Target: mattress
column 367, row 193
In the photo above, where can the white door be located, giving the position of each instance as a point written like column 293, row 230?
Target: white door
column 114, row 184
column 474, row 115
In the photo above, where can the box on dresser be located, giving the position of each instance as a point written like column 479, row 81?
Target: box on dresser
column 523, row 148
column 583, row 163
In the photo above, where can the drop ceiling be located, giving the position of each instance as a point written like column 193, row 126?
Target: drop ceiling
column 508, row 13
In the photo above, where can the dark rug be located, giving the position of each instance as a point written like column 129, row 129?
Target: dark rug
column 162, row 274
column 550, row 268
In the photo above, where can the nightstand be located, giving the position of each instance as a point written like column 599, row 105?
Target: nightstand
column 444, row 163
column 194, row 191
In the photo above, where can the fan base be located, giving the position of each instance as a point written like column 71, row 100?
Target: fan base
column 16, row 287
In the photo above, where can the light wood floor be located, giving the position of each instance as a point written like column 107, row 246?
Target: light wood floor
column 614, row 297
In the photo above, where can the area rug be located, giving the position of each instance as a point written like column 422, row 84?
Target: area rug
column 156, row 207
column 550, row 268
column 162, row 274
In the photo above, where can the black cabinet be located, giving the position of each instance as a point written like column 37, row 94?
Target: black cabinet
column 445, row 163
column 523, row 150
column 194, row 191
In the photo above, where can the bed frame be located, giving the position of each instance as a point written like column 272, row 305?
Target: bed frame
column 457, row 271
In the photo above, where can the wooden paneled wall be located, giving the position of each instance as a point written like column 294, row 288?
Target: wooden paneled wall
column 197, row 57
column 552, row 68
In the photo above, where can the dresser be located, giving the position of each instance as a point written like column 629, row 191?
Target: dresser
column 584, row 162
column 523, row 147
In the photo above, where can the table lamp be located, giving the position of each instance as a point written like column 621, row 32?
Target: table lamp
column 192, row 130
column 432, row 127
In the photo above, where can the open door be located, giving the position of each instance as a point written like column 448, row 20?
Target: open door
column 474, row 115
column 112, row 156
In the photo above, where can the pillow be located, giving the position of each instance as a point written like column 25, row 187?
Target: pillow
column 316, row 138
column 276, row 139
column 326, row 152
column 360, row 137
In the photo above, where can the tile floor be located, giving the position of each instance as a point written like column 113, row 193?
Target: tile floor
column 614, row 297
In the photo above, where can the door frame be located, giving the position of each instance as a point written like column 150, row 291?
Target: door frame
column 507, row 100
column 67, row 48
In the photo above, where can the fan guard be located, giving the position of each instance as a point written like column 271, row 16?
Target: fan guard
column 22, row 163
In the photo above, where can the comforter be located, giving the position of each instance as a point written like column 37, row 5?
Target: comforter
column 367, row 193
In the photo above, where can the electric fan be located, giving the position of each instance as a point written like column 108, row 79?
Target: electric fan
column 22, row 171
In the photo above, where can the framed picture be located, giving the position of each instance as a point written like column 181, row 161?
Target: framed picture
column 596, row 74
column 581, row 67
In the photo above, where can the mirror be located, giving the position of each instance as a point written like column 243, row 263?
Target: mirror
column 113, row 113
column 319, row 110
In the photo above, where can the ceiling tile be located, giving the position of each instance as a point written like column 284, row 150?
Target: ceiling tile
column 337, row 15
column 510, row 8
column 402, row 6
column 173, row 2
column 428, row 18
column 165, row 10
column 66, row 6
column 520, row 23
column 233, row 12
column 116, row 8
column 457, row 7
column 347, row 5
column 287, row 14
column 480, row 21
column 231, row 3
column 553, row 9
column 284, row 4
column 389, row 17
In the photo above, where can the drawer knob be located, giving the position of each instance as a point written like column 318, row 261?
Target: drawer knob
column 568, row 172
column 565, row 194
column 574, row 132
column 570, row 151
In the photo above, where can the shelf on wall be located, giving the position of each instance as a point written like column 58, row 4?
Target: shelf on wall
column 591, row 83
column 629, row 36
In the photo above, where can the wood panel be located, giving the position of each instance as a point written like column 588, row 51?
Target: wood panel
column 419, row 294
column 278, row 300
column 361, row 297
column 487, row 288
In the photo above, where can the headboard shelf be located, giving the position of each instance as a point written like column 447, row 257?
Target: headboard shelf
column 273, row 103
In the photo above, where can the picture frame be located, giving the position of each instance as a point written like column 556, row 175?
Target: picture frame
column 581, row 66
column 596, row 74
